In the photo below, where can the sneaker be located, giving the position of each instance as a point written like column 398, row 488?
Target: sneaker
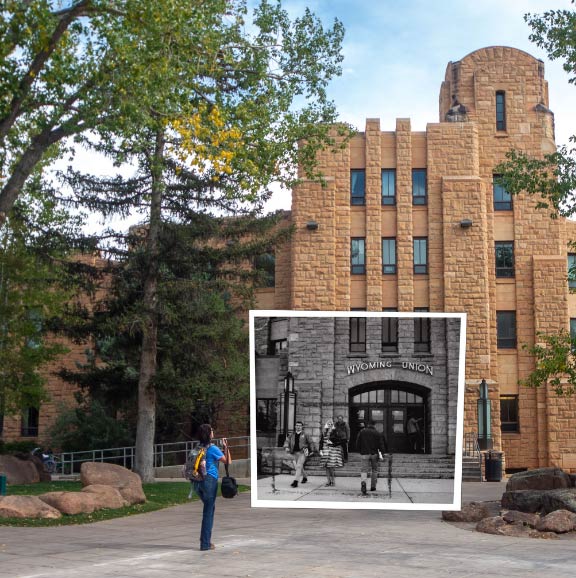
column 212, row 547
column 373, row 489
column 304, row 480
column 363, row 488
column 294, row 484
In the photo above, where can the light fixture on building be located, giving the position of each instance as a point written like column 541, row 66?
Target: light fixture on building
column 484, row 418
column 288, row 410
column 312, row 225
column 465, row 223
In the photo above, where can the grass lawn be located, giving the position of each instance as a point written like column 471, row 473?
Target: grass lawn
column 159, row 495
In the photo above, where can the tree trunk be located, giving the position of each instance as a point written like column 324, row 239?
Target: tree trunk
column 146, row 424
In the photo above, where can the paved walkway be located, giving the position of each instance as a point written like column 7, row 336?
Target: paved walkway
column 288, row 543
column 404, row 492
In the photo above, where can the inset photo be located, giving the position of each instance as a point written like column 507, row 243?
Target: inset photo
column 357, row 410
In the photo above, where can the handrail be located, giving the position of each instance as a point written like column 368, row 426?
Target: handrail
column 471, row 448
column 167, row 454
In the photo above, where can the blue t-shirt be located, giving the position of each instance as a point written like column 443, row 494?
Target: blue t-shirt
column 213, row 455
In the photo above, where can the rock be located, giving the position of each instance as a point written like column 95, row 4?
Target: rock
column 521, row 518
column 539, row 479
column 70, row 503
column 470, row 512
column 133, row 495
column 128, row 483
column 26, row 507
column 18, row 471
column 560, row 522
column 523, row 500
column 559, row 500
column 107, row 496
column 498, row 525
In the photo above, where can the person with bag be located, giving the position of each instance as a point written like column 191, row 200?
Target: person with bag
column 298, row 444
column 371, row 444
column 208, row 487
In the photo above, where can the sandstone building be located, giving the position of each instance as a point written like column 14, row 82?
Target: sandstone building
column 414, row 221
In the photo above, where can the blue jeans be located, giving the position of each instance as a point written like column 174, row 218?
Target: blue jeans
column 206, row 490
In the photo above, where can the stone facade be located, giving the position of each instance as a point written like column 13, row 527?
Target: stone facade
column 460, row 154
column 330, row 379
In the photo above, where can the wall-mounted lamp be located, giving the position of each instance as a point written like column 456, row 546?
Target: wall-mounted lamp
column 312, row 225
column 465, row 223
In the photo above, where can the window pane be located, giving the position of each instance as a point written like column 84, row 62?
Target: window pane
column 509, row 413
column 500, row 110
column 502, row 198
column 388, row 187
column 389, row 334
column 421, row 256
column 572, row 270
column 506, row 325
column 419, row 186
column 389, row 256
column 504, row 255
column 394, row 396
column 357, row 334
column 357, row 187
column 421, row 333
column 358, row 256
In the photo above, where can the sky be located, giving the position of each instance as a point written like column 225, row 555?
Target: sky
column 396, row 53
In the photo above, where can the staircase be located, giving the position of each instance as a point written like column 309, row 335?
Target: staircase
column 471, row 469
column 403, row 466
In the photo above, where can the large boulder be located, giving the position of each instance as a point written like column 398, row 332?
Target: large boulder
column 521, row 518
column 560, row 522
column 559, row 500
column 126, row 482
column 18, row 471
column 523, row 500
column 71, row 503
column 497, row 525
column 470, row 512
column 26, row 507
column 106, row 496
column 539, row 479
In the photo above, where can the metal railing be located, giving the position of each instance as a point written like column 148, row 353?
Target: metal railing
column 471, row 448
column 168, row 454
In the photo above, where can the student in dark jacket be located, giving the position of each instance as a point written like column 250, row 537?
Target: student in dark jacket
column 369, row 443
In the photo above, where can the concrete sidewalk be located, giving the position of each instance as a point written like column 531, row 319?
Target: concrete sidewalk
column 288, row 543
column 347, row 489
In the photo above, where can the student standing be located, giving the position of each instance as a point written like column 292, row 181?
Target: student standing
column 208, row 488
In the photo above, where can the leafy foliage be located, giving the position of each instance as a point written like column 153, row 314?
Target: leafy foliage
column 555, row 363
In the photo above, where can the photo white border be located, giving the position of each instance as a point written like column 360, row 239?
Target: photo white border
column 457, row 488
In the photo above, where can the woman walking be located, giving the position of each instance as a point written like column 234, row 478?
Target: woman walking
column 331, row 452
column 207, row 488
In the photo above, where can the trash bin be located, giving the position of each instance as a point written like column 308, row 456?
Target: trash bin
column 493, row 466
column 2, row 485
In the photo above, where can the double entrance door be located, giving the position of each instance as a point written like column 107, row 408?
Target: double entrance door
column 398, row 412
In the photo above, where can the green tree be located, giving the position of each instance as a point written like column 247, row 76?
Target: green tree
column 34, row 286
column 233, row 109
column 551, row 178
column 71, row 69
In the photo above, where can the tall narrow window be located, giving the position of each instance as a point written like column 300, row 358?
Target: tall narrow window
column 504, row 253
column 389, row 256
column 509, row 413
column 573, row 332
column 572, row 270
column 502, row 198
column 421, row 332
column 390, row 333
column 500, row 110
column 265, row 266
column 506, row 327
column 278, row 335
column 388, row 187
column 29, row 423
column 266, row 414
column 419, row 194
column 358, row 187
column 357, row 334
column 421, row 255
column 358, row 256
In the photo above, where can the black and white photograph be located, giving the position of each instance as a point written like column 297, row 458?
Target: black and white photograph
column 357, row 409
